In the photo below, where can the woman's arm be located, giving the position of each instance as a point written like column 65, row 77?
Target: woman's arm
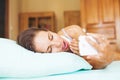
column 106, row 53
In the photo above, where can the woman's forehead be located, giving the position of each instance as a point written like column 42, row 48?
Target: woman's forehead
column 41, row 36
column 41, row 40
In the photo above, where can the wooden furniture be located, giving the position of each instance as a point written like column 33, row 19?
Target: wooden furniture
column 37, row 19
column 71, row 18
column 100, row 16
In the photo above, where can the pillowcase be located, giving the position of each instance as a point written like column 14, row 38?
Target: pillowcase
column 16, row 61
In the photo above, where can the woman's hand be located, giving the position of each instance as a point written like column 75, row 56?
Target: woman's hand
column 74, row 46
column 105, row 53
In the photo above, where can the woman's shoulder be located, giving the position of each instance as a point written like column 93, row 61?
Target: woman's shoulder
column 72, row 30
column 76, row 27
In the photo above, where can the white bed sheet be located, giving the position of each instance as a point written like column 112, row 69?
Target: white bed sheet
column 111, row 72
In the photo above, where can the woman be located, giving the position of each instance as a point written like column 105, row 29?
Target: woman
column 45, row 41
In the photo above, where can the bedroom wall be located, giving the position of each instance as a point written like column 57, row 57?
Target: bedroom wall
column 13, row 18
column 58, row 6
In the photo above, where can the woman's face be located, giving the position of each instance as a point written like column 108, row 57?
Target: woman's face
column 48, row 42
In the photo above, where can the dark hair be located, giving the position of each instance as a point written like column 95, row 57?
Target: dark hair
column 26, row 37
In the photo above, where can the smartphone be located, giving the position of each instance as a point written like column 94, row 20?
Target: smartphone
column 85, row 48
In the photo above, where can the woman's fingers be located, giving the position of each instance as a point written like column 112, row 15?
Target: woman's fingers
column 74, row 43
column 74, row 47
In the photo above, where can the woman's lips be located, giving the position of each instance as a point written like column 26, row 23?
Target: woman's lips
column 65, row 45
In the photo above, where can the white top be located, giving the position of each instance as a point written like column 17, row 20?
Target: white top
column 85, row 48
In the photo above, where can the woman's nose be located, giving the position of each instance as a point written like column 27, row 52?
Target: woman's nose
column 55, row 43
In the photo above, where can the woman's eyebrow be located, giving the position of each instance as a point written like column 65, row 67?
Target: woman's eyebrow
column 49, row 35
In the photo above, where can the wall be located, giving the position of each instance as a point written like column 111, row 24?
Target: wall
column 13, row 18
column 58, row 6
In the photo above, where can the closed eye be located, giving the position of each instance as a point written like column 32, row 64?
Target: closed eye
column 49, row 49
column 50, row 37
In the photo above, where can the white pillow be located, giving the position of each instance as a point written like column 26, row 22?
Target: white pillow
column 16, row 61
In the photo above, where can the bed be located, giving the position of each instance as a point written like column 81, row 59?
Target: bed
column 112, row 72
column 17, row 63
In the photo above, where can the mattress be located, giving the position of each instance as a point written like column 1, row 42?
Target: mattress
column 111, row 72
